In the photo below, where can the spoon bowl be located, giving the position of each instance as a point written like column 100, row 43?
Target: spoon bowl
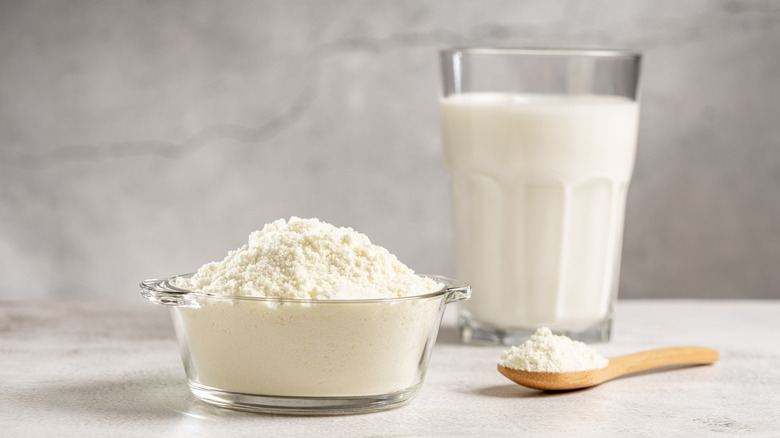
column 617, row 366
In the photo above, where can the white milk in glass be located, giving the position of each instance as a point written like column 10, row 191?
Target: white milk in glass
column 539, row 189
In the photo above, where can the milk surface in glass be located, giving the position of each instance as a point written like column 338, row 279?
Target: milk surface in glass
column 539, row 188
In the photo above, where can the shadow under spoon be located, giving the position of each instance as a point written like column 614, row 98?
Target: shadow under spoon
column 617, row 366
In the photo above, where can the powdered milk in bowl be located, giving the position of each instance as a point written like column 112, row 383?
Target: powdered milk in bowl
column 306, row 318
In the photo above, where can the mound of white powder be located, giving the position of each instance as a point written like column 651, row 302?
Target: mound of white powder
column 330, row 348
column 309, row 259
column 546, row 352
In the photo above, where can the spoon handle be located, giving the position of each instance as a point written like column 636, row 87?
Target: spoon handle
column 645, row 360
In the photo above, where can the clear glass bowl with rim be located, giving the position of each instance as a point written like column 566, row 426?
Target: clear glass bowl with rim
column 310, row 357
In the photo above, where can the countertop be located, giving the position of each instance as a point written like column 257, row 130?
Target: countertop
column 91, row 369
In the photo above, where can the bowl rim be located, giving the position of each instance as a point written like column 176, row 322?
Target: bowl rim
column 165, row 291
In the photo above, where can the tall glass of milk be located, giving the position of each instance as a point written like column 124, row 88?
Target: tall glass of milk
column 540, row 148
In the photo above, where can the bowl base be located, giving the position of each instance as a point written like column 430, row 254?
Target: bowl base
column 289, row 405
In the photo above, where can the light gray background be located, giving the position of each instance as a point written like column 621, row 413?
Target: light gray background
column 142, row 139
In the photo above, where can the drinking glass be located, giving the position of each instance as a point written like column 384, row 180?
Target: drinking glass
column 540, row 148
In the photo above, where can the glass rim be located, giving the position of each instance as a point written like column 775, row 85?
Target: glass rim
column 543, row 52
column 166, row 287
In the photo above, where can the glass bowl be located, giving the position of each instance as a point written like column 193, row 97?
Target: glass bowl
column 310, row 357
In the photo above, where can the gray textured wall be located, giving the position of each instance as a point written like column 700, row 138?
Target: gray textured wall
column 142, row 139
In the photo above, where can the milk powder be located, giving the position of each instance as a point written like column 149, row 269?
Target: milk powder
column 550, row 353
column 307, row 258
column 329, row 347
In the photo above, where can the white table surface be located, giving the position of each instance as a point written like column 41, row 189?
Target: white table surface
column 76, row 369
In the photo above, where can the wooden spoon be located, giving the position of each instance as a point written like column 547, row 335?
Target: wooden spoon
column 618, row 366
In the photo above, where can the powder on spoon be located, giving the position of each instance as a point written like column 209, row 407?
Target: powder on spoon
column 545, row 352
